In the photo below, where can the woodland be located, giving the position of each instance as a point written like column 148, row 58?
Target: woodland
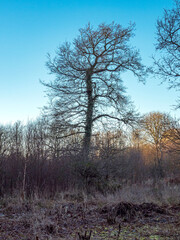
column 91, row 166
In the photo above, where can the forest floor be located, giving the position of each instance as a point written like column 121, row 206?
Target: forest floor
column 56, row 220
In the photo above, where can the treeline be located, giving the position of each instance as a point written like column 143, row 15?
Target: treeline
column 35, row 159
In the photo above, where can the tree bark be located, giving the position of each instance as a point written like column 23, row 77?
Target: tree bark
column 89, row 115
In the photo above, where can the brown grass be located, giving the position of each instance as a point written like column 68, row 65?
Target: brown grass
column 72, row 212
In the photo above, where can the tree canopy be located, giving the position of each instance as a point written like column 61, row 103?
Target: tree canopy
column 167, row 66
column 88, row 87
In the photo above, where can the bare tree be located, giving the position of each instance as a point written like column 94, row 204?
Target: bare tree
column 3, row 140
column 155, row 127
column 173, row 137
column 168, row 46
column 88, row 88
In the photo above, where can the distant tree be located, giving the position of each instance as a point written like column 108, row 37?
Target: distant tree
column 155, row 127
column 168, row 46
column 3, row 139
column 17, row 138
column 173, row 137
column 88, row 87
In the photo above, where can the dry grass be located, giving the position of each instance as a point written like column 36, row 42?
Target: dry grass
column 161, row 193
column 70, row 212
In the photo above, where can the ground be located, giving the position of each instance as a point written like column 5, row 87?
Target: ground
column 56, row 220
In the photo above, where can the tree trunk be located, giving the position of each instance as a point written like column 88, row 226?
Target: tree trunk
column 89, row 116
column 159, row 168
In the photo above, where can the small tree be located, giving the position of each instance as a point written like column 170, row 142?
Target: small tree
column 173, row 137
column 155, row 127
column 88, row 87
column 168, row 46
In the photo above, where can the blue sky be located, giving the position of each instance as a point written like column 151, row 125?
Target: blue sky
column 29, row 29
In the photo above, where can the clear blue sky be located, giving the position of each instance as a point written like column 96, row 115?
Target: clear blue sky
column 29, row 29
